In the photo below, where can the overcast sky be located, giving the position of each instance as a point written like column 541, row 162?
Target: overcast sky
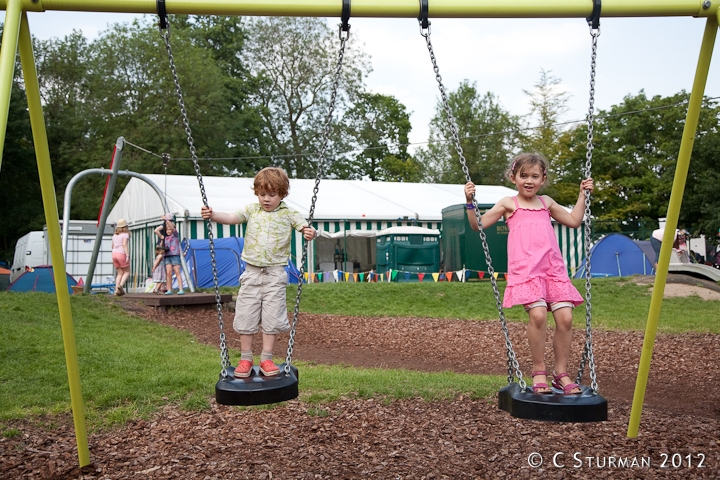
column 503, row 56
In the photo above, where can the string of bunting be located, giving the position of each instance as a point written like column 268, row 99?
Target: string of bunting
column 392, row 276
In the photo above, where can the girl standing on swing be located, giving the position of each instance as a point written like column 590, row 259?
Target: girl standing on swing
column 537, row 276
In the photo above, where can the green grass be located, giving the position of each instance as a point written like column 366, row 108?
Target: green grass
column 127, row 366
column 617, row 303
column 323, row 383
column 130, row 368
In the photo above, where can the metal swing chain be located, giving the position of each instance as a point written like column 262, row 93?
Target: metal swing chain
column 344, row 34
column 224, row 354
column 166, row 162
column 512, row 362
column 587, row 355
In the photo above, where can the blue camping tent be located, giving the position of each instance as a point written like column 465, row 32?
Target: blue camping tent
column 39, row 279
column 227, row 258
column 616, row 256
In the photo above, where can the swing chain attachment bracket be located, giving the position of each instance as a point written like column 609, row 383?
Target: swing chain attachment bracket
column 344, row 30
column 423, row 18
column 163, row 25
column 512, row 361
column 594, row 19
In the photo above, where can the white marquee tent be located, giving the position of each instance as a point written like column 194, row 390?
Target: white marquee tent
column 349, row 211
column 337, row 200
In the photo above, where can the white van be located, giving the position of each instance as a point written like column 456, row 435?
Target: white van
column 30, row 251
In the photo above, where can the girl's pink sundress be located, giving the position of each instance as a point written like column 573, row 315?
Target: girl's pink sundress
column 535, row 265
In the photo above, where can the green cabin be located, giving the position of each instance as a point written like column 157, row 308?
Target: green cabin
column 462, row 247
column 407, row 251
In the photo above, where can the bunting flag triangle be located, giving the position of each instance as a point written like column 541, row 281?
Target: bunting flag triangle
column 436, row 276
column 481, row 275
column 407, row 275
column 347, row 276
column 362, row 277
column 306, row 275
column 382, row 277
column 420, row 277
column 335, row 275
column 495, row 274
column 320, row 276
column 505, row 275
column 461, row 275
column 448, row 275
column 394, row 275
column 355, row 277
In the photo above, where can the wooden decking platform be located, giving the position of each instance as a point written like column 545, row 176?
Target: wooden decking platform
column 164, row 301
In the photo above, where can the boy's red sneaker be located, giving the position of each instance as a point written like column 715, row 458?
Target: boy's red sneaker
column 243, row 369
column 268, row 368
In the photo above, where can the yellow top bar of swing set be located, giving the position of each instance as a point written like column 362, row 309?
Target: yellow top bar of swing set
column 389, row 8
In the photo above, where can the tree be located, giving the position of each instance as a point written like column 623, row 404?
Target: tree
column 634, row 158
column 489, row 135
column 19, row 181
column 701, row 203
column 121, row 85
column 295, row 61
column 547, row 104
column 20, row 193
column 379, row 126
column 224, row 38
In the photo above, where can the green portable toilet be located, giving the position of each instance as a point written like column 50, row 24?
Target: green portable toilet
column 408, row 251
column 462, row 247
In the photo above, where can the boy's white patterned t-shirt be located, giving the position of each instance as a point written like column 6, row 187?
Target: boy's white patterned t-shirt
column 267, row 237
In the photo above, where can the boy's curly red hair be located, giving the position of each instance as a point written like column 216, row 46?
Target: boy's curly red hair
column 273, row 180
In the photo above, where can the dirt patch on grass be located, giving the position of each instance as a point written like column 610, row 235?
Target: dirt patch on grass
column 685, row 286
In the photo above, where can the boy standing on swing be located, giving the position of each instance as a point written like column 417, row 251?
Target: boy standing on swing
column 261, row 301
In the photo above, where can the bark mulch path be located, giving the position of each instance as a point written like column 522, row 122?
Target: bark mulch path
column 409, row 439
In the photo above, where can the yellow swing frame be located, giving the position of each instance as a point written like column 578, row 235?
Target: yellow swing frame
column 16, row 36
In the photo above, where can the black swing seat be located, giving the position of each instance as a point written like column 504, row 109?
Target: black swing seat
column 257, row 389
column 556, row 407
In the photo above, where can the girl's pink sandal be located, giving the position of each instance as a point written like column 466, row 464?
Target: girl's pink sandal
column 566, row 389
column 536, row 387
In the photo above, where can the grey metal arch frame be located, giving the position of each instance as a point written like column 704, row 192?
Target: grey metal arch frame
column 103, row 220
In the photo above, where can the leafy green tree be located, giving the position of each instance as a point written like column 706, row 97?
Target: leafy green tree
column 224, row 37
column 547, row 105
column 634, row 158
column 63, row 67
column 20, row 193
column 700, row 211
column 379, row 125
column 295, row 60
column 121, row 85
column 19, row 181
column 489, row 136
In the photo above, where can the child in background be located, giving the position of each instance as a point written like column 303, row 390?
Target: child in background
column 537, row 276
column 261, row 300
column 121, row 255
column 158, row 271
column 172, row 255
